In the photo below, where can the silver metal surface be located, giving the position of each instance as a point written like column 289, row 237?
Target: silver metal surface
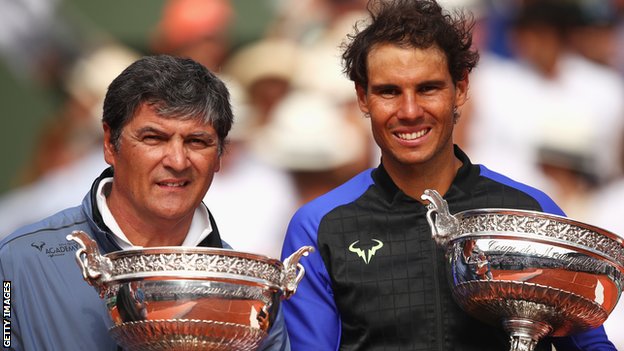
column 534, row 274
column 179, row 298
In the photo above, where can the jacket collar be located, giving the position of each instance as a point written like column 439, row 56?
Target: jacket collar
column 464, row 179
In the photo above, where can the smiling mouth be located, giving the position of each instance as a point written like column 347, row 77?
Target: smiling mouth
column 173, row 184
column 414, row 135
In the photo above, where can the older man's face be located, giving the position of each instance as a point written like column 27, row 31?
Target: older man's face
column 163, row 167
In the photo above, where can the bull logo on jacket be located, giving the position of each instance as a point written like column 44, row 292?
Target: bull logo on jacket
column 368, row 254
column 38, row 245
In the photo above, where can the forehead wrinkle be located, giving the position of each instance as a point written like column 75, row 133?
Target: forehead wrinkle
column 163, row 130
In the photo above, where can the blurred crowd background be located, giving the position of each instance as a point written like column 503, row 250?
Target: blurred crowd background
column 546, row 101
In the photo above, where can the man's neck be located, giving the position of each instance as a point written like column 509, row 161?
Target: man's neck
column 152, row 233
column 413, row 180
column 148, row 232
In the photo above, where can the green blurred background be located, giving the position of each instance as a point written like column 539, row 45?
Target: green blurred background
column 26, row 105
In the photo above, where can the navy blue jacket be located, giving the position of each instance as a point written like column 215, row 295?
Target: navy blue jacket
column 377, row 280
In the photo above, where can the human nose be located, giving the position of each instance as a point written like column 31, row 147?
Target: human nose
column 176, row 156
column 409, row 107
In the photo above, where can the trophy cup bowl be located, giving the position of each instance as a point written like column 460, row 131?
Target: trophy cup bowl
column 534, row 274
column 187, row 298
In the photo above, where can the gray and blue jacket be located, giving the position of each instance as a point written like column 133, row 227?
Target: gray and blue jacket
column 48, row 305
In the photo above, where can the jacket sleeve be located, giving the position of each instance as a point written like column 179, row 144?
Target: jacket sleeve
column 591, row 340
column 278, row 337
column 311, row 315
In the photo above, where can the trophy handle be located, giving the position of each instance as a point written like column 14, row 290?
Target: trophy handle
column 96, row 269
column 293, row 271
column 443, row 224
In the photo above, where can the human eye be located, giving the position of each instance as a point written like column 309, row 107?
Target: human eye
column 426, row 88
column 201, row 142
column 197, row 142
column 151, row 138
column 429, row 88
column 387, row 91
column 391, row 92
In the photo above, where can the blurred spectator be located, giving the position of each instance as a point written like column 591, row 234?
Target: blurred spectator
column 265, row 69
column 69, row 155
column 309, row 136
column 320, row 17
column 55, row 190
column 76, row 128
column 619, row 55
column 320, row 71
column 568, row 162
column 594, row 33
column 197, row 29
column 37, row 41
column 514, row 102
column 40, row 44
column 251, row 199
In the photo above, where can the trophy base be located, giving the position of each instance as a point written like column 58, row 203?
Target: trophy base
column 525, row 333
column 183, row 335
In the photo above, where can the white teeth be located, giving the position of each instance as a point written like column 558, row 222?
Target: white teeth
column 174, row 184
column 412, row 136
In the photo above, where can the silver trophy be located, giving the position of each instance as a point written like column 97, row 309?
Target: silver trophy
column 182, row 298
column 532, row 273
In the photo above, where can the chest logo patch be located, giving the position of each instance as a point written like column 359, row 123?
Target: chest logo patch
column 38, row 245
column 369, row 253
